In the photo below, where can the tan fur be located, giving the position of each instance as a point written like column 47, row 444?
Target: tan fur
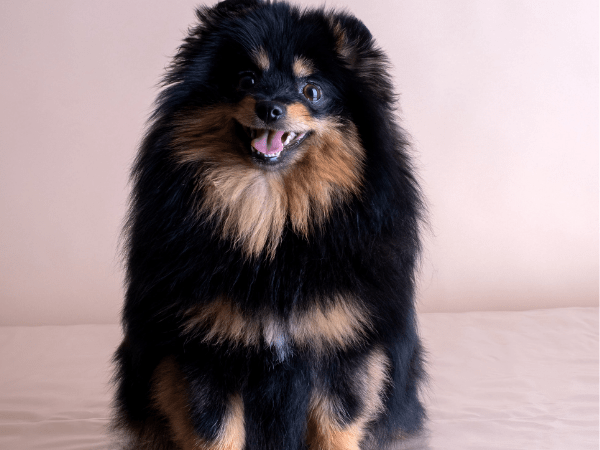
column 302, row 67
column 328, row 174
column 325, row 432
column 170, row 396
column 343, row 46
column 339, row 325
column 252, row 204
column 342, row 323
column 261, row 58
column 372, row 380
column 299, row 115
column 233, row 433
column 326, row 436
column 224, row 322
column 365, row 66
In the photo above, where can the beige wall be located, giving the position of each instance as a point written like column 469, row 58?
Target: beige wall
column 501, row 99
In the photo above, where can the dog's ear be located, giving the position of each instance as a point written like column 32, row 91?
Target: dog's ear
column 212, row 15
column 359, row 52
column 210, row 18
column 351, row 37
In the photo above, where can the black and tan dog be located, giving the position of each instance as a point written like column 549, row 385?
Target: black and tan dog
column 272, row 244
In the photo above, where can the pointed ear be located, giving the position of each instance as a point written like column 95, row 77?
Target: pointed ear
column 224, row 9
column 345, row 44
column 359, row 52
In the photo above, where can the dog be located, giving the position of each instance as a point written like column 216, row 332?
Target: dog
column 272, row 244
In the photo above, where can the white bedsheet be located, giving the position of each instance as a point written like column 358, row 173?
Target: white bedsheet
column 499, row 380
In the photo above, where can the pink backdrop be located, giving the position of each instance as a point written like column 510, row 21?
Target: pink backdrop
column 500, row 97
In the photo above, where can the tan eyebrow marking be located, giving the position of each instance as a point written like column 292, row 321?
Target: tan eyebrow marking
column 303, row 67
column 261, row 58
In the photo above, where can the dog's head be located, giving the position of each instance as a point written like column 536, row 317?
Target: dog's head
column 262, row 99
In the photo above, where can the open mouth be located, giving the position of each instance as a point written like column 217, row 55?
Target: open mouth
column 268, row 145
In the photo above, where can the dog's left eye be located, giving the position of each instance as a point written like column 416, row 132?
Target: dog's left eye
column 312, row 92
column 246, row 80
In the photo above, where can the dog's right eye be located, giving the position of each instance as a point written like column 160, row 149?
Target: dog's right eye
column 246, row 81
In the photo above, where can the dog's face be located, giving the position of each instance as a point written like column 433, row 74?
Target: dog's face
column 277, row 88
column 284, row 103
column 266, row 97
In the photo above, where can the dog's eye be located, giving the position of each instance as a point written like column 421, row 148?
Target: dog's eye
column 312, row 92
column 246, row 80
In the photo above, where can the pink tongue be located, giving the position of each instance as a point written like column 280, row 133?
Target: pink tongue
column 268, row 141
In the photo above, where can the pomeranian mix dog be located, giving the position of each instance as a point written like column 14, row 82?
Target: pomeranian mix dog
column 272, row 244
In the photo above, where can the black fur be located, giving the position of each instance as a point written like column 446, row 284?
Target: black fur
column 176, row 259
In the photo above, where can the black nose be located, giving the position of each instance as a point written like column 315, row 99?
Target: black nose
column 269, row 111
